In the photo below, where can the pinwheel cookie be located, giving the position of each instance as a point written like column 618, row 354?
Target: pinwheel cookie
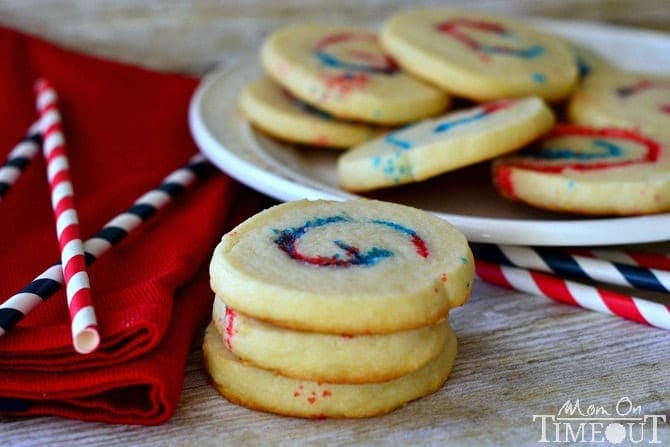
column 334, row 358
column 479, row 56
column 343, row 70
column 265, row 390
column 589, row 62
column 353, row 267
column 434, row 146
column 622, row 99
column 595, row 171
column 276, row 112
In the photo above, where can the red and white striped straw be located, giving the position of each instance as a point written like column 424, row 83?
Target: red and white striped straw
column 578, row 294
column 83, row 322
column 575, row 266
column 19, row 305
column 660, row 261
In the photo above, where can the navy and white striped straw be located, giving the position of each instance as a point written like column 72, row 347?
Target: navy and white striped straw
column 578, row 267
column 660, row 261
column 51, row 280
column 19, row 157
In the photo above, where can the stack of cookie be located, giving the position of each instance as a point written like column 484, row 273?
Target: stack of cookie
column 335, row 309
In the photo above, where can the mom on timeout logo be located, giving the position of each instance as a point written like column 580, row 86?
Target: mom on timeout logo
column 620, row 423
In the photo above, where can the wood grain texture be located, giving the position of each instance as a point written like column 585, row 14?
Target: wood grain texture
column 518, row 355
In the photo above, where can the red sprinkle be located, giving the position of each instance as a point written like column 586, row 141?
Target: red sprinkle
column 503, row 179
column 420, row 245
column 345, row 83
column 230, row 327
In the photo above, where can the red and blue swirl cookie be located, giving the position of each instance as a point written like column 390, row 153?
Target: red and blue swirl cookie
column 434, row 146
column 276, row 112
column 265, row 390
column 334, row 358
column 593, row 171
column 343, row 70
column 623, row 99
column 479, row 56
column 352, row 267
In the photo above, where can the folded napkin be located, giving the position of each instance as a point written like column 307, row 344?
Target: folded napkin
column 125, row 129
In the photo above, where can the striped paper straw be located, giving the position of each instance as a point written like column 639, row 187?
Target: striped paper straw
column 18, row 158
column 570, row 292
column 579, row 267
column 84, row 325
column 660, row 261
column 51, row 280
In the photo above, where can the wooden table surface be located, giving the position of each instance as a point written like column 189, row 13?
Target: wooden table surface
column 519, row 356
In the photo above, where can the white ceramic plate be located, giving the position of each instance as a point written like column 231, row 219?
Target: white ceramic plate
column 465, row 197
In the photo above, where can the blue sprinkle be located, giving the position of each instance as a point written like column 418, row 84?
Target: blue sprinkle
column 393, row 140
column 539, row 78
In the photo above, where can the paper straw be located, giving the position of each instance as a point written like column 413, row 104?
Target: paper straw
column 18, row 158
column 113, row 232
column 660, row 261
column 570, row 292
column 579, row 267
column 84, row 324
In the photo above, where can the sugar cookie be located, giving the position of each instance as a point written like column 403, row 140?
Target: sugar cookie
column 334, row 358
column 592, row 171
column 354, row 267
column 278, row 113
column 264, row 390
column 435, row 146
column 623, row 99
column 344, row 71
column 478, row 56
column 589, row 62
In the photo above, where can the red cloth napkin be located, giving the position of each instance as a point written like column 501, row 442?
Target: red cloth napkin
column 125, row 129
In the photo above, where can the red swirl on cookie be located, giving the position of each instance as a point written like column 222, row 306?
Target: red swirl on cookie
column 588, row 149
column 354, row 52
column 456, row 28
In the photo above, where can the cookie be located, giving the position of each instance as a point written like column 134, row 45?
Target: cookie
column 276, row 112
column 593, row 171
column 334, row 358
column 353, row 267
column 623, row 99
column 265, row 390
column 435, row 146
column 589, row 62
column 478, row 56
column 343, row 70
